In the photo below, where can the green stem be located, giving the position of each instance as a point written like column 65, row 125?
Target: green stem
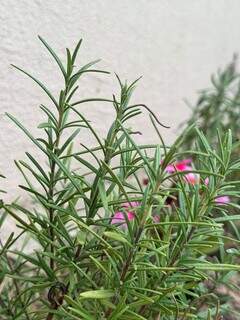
column 102, row 170
column 51, row 187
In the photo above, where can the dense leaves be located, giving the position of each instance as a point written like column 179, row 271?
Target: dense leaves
column 107, row 245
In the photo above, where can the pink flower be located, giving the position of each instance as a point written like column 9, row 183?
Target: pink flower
column 156, row 219
column 131, row 204
column 206, row 181
column 182, row 165
column 119, row 216
column 222, row 200
column 192, row 178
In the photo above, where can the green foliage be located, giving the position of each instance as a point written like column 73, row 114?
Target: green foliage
column 218, row 107
column 160, row 260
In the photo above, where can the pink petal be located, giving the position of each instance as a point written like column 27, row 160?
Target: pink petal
column 222, row 199
column 206, row 181
column 156, row 219
column 179, row 166
column 186, row 161
column 170, row 168
column 119, row 218
column 192, row 178
column 130, row 216
column 183, row 167
column 131, row 204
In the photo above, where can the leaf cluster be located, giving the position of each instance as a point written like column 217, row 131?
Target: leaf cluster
column 165, row 263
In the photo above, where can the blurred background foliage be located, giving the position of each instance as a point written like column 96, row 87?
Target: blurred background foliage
column 218, row 107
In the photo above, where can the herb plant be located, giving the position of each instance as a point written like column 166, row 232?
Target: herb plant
column 218, row 107
column 109, row 246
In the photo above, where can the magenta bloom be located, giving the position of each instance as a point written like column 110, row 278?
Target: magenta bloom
column 119, row 216
column 182, row 165
column 222, row 200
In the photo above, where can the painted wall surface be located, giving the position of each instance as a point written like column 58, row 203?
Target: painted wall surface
column 175, row 45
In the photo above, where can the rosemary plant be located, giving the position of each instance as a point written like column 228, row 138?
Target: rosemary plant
column 218, row 107
column 108, row 245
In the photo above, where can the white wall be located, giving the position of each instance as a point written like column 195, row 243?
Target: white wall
column 174, row 44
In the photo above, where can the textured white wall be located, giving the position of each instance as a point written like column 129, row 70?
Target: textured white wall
column 174, row 44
